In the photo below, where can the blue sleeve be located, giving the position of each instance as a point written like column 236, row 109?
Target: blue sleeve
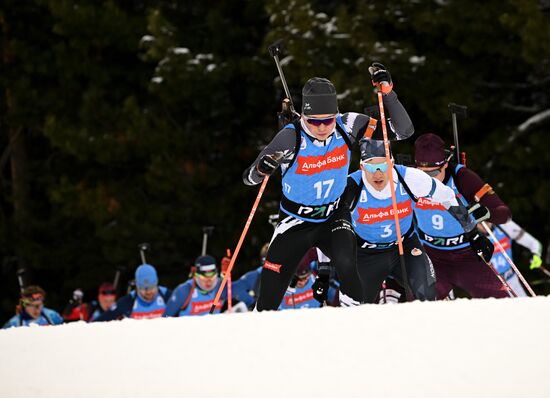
column 165, row 293
column 13, row 322
column 246, row 284
column 356, row 176
column 177, row 299
column 123, row 307
column 54, row 316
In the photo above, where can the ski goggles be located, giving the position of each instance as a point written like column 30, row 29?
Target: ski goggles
column 107, row 292
column 31, row 299
column 372, row 168
column 38, row 305
column 33, row 303
column 318, row 122
column 207, row 275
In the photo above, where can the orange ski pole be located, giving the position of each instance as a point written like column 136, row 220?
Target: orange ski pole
column 392, row 189
column 229, row 290
column 239, row 244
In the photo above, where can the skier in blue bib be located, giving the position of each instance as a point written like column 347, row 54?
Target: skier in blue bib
column 373, row 219
column 506, row 234
column 300, row 294
column 314, row 155
column 196, row 295
column 458, row 258
column 32, row 310
column 147, row 301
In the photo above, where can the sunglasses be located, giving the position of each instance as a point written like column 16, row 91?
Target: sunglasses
column 107, row 293
column 434, row 173
column 318, row 122
column 372, row 168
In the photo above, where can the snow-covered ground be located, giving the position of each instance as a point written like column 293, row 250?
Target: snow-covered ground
column 465, row 348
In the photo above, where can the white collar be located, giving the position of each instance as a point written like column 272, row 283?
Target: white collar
column 384, row 193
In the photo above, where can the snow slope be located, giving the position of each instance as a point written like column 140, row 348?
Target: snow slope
column 465, row 348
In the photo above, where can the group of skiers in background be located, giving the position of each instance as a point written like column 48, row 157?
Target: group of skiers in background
column 336, row 241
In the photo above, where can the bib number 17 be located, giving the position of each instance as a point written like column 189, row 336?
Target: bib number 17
column 325, row 186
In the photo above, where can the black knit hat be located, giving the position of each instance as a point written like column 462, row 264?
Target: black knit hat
column 371, row 149
column 319, row 97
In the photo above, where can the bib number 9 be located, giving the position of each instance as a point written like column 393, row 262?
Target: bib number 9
column 437, row 221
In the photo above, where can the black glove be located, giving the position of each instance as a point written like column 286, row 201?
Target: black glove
column 481, row 245
column 461, row 214
column 479, row 212
column 322, row 283
column 380, row 76
column 268, row 164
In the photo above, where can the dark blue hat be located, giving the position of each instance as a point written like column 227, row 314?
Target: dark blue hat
column 146, row 277
column 372, row 149
column 205, row 264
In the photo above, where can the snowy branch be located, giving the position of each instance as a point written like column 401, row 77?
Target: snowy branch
column 534, row 120
column 526, row 126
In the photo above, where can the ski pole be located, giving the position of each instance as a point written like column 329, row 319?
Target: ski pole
column 274, row 50
column 206, row 232
column 392, row 189
column 545, row 270
column 511, row 292
column 229, row 288
column 143, row 247
column 20, row 279
column 508, row 259
column 118, row 272
column 239, row 244
column 460, row 110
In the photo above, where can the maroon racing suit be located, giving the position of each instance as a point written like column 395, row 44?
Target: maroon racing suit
column 455, row 263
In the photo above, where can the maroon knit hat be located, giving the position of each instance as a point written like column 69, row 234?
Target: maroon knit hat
column 429, row 150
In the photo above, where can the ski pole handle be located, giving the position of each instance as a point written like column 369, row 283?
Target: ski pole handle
column 239, row 244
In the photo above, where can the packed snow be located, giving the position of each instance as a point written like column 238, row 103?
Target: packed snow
column 464, row 348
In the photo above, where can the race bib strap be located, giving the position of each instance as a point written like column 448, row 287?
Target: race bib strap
column 309, row 212
column 364, row 244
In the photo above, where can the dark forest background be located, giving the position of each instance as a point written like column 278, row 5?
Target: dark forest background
column 131, row 121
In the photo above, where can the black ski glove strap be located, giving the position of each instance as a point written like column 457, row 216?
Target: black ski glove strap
column 379, row 73
column 461, row 214
column 479, row 212
column 481, row 245
column 267, row 165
